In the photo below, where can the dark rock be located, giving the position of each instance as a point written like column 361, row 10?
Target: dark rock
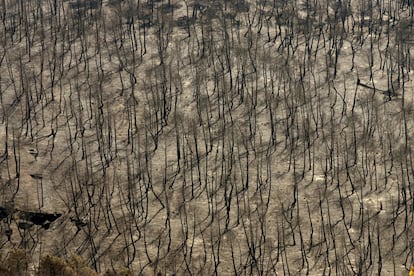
column 38, row 218
column 33, row 152
column 24, row 225
column 4, row 212
column 79, row 222
column 36, row 176
column 46, row 225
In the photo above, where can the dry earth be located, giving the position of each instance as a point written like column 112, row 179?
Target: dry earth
column 210, row 137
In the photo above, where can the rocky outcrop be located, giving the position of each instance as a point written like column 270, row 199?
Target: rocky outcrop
column 27, row 219
column 5, row 212
column 38, row 218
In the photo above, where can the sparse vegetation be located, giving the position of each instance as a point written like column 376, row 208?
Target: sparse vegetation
column 15, row 263
column 206, row 137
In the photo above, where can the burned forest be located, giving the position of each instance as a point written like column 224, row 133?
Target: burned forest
column 206, row 137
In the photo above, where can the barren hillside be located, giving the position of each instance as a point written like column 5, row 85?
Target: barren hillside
column 209, row 137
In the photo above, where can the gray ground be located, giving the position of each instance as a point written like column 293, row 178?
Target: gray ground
column 210, row 137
